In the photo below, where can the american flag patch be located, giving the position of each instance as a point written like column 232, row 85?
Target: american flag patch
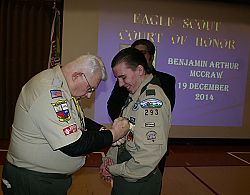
column 55, row 93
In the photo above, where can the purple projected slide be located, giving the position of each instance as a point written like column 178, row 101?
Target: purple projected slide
column 208, row 58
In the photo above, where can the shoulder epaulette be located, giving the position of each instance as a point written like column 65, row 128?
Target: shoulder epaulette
column 150, row 92
column 155, row 81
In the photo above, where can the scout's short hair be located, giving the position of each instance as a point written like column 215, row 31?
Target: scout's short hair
column 132, row 57
column 150, row 46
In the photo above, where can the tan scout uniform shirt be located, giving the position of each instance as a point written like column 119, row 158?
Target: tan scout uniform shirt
column 46, row 119
column 147, row 140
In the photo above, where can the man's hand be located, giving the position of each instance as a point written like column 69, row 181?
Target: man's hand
column 119, row 128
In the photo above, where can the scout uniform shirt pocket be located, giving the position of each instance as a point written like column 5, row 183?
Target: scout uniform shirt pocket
column 152, row 132
column 151, row 121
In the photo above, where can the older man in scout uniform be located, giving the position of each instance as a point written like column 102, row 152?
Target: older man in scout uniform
column 133, row 164
column 50, row 138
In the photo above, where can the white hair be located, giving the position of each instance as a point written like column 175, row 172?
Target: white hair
column 91, row 63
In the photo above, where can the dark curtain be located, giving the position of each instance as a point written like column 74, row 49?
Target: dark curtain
column 25, row 28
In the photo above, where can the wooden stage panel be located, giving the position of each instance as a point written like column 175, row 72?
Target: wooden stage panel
column 226, row 180
column 190, row 169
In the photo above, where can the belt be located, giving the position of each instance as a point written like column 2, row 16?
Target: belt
column 40, row 174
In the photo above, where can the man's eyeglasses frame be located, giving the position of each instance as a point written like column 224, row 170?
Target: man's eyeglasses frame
column 90, row 89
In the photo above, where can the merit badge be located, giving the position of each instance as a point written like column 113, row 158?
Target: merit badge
column 70, row 129
column 62, row 110
column 151, row 136
column 130, row 136
column 151, row 103
column 55, row 93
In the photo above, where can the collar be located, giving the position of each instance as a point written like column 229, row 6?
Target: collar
column 136, row 95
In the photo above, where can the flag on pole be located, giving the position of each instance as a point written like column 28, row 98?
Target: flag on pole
column 55, row 49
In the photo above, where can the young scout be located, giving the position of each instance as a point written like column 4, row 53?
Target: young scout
column 133, row 165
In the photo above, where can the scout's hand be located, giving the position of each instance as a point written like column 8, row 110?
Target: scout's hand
column 104, row 173
column 119, row 128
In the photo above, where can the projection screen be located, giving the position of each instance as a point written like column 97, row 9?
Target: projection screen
column 205, row 49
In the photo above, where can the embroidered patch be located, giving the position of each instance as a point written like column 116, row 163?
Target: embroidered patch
column 130, row 136
column 135, row 106
column 70, row 129
column 55, row 93
column 132, row 120
column 151, row 136
column 150, row 92
column 151, row 103
column 149, row 124
column 151, row 112
column 62, row 110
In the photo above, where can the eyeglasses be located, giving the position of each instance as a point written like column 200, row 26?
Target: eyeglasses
column 90, row 89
